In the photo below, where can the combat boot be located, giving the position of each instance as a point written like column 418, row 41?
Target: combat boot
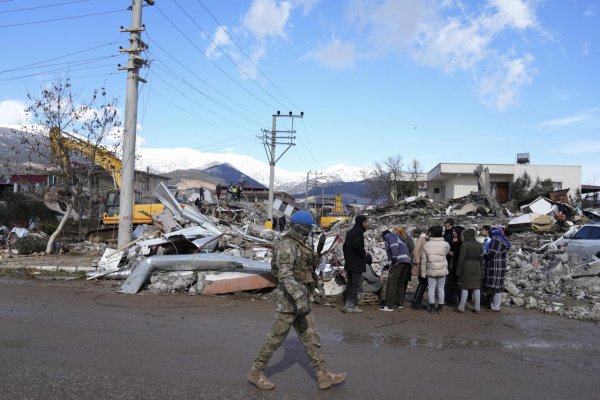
column 259, row 379
column 326, row 379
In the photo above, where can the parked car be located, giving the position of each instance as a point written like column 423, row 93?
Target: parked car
column 585, row 242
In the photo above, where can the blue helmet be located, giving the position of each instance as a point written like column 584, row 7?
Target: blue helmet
column 303, row 218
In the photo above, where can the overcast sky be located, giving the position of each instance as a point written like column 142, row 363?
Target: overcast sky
column 437, row 81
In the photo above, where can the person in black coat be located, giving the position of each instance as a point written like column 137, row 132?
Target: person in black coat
column 355, row 261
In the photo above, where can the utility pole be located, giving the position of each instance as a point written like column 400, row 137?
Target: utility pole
column 308, row 186
column 127, row 193
column 270, row 141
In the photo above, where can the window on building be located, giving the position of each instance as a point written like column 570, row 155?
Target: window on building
column 146, row 184
column 436, row 190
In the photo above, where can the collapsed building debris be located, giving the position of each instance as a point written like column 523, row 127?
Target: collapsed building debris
column 227, row 249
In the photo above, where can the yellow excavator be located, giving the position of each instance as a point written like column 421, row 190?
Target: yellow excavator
column 62, row 143
column 337, row 214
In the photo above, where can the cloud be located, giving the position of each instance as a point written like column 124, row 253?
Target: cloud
column 500, row 88
column 585, row 48
column 564, row 121
column 267, row 18
column 220, row 39
column 306, row 5
column 590, row 11
column 581, row 147
column 12, row 114
column 389, row 25
column 335, row 54
column 448, row 36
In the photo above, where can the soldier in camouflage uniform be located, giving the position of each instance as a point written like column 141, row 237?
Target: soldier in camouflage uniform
column 293, row 262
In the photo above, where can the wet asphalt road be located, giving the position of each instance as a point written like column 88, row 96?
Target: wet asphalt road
column 81, row 340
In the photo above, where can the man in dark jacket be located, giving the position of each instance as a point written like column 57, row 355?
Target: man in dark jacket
column 400, row 265
column 355, row 262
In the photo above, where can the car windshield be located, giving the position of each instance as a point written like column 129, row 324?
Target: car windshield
column 588, row 232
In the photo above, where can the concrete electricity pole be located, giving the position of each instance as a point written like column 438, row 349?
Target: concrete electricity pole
column 315, row 180
column 270, row 141
column 127, row 193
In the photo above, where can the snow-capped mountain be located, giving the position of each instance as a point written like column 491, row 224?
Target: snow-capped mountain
column 162, row 160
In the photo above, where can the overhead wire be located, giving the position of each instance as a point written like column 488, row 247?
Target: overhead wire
column 247, row 56
column 188, row 112
column 225, row 53
column 232, row 101
column 62, row 18
column 184, row 81
column 211, row 61
column 198, row 103
column 59, row 57
column 44, row 6
column 58, row 70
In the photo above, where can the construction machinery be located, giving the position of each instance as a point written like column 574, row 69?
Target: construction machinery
column 336, row 214
column 62, row 143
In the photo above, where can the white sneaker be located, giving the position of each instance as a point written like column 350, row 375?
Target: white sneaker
column 386, row 308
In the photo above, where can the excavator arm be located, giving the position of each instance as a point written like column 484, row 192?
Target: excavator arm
column 62, row 143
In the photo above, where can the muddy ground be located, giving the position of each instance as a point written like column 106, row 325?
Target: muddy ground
column 74, row 339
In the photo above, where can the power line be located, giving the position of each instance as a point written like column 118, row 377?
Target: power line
column 154, row 43
column 61, row 19
column 212, row 62
column 174, row 75
column 67, row 62
column 46, row 6
column 225, row 53
column 199, row 104
column 188, row 112
column 59, row 57
column 56, row 70
column 248, row 57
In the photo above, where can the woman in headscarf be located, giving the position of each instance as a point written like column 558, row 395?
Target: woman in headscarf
column 497, row 261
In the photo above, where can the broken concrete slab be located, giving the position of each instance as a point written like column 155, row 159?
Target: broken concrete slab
column 231, row 282
column 188, row 262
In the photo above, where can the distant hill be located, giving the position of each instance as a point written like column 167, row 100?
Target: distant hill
column 191, row 178
column 352, row 192
column 227, row 173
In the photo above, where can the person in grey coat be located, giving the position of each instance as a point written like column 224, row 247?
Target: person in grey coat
column 370, row 282
column 468, row 269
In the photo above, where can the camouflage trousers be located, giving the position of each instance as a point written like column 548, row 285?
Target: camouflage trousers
column 306, row 329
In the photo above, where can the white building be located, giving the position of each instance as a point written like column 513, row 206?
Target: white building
column 454, row 180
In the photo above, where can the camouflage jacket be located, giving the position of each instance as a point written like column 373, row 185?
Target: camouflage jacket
column 293, row 262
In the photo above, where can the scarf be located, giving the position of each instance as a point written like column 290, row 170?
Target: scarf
column 498, row 234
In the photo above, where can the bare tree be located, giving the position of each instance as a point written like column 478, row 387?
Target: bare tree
column 52, row 113
column 414, row 170
column 385, row 180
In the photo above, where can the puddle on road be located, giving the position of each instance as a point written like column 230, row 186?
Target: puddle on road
column 379, row 340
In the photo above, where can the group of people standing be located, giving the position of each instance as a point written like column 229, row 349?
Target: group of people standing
column 435, row 256
column 448, row 262
column 276, row 223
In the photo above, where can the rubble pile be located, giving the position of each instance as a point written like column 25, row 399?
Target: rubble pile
column 554, row 282
column 230, row 251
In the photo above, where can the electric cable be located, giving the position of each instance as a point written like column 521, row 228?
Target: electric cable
column 201, row 92
column 247, row 56
column 62, row 18
column 59, row 57
column 55, row 70
column 188, row 112
column 211, row 61
column 154, row 43
column 45, row 6
column 199, row 104
column 226, row 54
